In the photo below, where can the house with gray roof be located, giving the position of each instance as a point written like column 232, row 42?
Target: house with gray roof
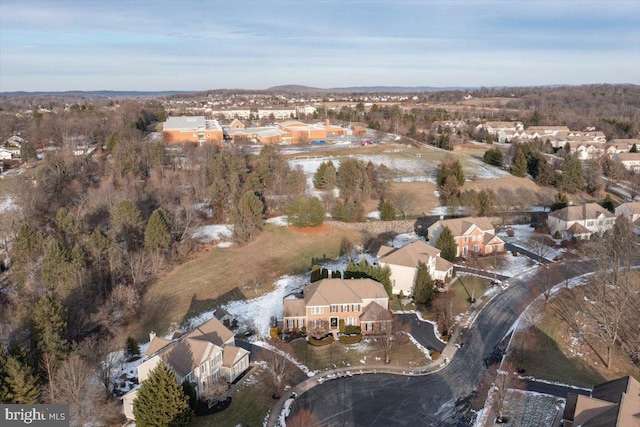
column 200, row 356
column 403, row 263
column 581, row 221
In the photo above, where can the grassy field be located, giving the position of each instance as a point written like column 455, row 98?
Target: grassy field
column 224, row 274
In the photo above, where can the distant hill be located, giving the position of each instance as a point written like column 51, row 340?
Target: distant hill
column 295, row 89
column 370, row 89
column 98, row 93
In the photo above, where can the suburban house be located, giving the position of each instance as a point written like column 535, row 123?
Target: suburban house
column 197, row 129
column 631, row 161
column 581, row 221
column 631, row 210
column 356, row 302
column 614, row 403
column 471, row 235
column 403, row 263
column 200, row 356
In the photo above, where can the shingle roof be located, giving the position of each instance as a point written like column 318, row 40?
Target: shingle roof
column 294, row 308
column 410, row 255
column 460, row 226
column 157, row 343
column 231, row 355
column 581, row 212
column 373, row 312
column 340, row 291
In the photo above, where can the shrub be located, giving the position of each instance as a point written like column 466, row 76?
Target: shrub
column 346, row 339
column 274, row 332
column 511, row 232
column 303, row 330
column 557, row 235
column 341, row 325
column 351, row 329
column 435, row 355
column 320, row 342
column 132, row 347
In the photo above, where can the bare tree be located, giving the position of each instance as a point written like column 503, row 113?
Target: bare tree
column 276, row 372
column 102, row 355
column 390, row 333
column 444, row 308
column 538, row 245
column 506, row 378
column 318, row 328
column 404, row 201
column 216, row 391
column 523, row 344
column 74, row 384
column 303, row 418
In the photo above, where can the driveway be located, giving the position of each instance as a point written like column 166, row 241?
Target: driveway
column 438, row 399
column 423, row 332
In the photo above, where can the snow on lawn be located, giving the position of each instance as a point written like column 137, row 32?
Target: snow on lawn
column 523, row 238
column 8, row 204
column 404, row 239
column 374, row 215
column 515, row 265
column 212, row 233
column 280, row 221
column 526, row 408
column 256, row 313
column 482, row 170
column 287, row 356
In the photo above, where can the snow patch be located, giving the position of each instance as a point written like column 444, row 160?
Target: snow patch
column 280, row 221
column 212, row 233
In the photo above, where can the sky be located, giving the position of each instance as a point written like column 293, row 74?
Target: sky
column 163, row 45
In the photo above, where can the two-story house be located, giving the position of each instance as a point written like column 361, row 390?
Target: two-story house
column 631, row 210
column 200, row 356
column 631, row 161
column 356, row 302
column 403, row 263
column 580, row 222
column 471, row 234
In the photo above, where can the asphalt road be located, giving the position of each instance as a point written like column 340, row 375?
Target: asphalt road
column 438, row 399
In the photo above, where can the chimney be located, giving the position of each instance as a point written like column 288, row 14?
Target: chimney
column 152, row 335
column 327, row 123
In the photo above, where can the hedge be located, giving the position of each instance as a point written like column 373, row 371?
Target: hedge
column 350, row 339
column 323, row 341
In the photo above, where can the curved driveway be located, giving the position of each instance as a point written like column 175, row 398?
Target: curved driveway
column 437, row 399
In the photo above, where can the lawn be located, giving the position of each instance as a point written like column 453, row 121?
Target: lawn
column 226, row 274
column 250, row 404
column 367, row 352
column 464, row 287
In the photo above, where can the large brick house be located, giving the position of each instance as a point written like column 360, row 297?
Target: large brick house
column 194, row 129
column 403, row 263
column 327, row 302
column 200, row 356
column 581, row 221
column 472, row 235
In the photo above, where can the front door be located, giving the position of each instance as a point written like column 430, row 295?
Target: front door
column 334, row 323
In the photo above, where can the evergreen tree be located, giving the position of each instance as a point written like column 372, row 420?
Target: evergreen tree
column 424, row 288
column 561, row 201
column 305, row 211
column 132, row 348
column 27, row 152
column 447, row 245
column 325, row 176
column 634, row 148
column 161, row 401
column 51, row 327
column 593, row 177
column 519, row 165
column 126, row 220
column 248, row 217
column 157, row 236
column 607, row 203
column 25, row 250
column 571, row 180
column 485, row 203
column 364, row 270
column 18, row 385
column 387, row 210
column 545, row 174
column 493, row 156
column 449, row 167
column 67, row 225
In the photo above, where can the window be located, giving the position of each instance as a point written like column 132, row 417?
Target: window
column 333, row 308
column 465, row 239
column 356, row 307
column 350, row 321
column 465, row 250
column 476, row 248
column 317, row 310
column 590, row 223
column 345, row 307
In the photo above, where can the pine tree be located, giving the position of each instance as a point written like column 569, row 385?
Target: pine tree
column 157, row 236
column 26, row 248
column 305, row 212
column 51, row 328
column 634, row 148
column 424, row 289
column 447, row 245
column 18, row 385
column 561, row 201
column 248, row 217
column 519, row 165
column 572, row 179
column 126, row 220
column 607, row 203
column 363, row 270
column 132, row 348
column 387, row 210
column 161, row 401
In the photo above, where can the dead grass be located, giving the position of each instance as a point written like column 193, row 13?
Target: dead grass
column 464, row 288
column 222, row 275
column 339, row 355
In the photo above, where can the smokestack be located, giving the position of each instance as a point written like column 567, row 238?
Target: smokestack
column 152, row 335
column 327, row 122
